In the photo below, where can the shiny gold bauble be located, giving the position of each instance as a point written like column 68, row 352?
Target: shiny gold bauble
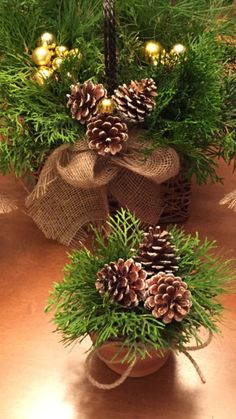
column 152, row 49
column 57, row 62
column 106, row 105
column 47, row 39
column 42, row 74
column 61, row 51
column 75, row 53
column 178, row 49
column 41, row 56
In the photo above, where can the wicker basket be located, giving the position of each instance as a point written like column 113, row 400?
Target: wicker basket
column 176, row 194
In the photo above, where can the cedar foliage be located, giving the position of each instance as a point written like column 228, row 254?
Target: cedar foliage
column 194, row 111
column 79, row 310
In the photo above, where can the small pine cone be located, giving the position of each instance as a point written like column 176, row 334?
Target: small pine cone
column 84, row 99
column 158, row 254
column 136, row 100
column 106, row 134
column 124, row 282
column 168, row 297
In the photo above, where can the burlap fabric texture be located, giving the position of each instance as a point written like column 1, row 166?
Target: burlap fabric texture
column 6, row 205
column 75, row 182
column 230, row 200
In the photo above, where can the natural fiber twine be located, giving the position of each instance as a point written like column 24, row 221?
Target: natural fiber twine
column 6, row 205
column 75, row 182
column 182, row 349
column 230, row 200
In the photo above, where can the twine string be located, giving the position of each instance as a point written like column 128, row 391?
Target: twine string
column 127, row 372
column 110, row 43
column 115, row 383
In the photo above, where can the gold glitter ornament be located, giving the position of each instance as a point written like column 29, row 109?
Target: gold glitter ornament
column 75, row 53
column 42, row 74
column 57, row 62
column 161, row 58
column 41, row 56
column 106, row 106
column 48, row 40
column 61, row 51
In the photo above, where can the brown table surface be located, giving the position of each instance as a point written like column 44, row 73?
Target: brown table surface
column 42, row 380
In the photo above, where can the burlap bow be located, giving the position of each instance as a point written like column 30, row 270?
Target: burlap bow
column 75, row 184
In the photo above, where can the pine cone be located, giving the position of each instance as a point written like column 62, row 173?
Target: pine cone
column 123, row 281
column 84, row 99
column 168, row 297
column 135, row 100
column 157, row 252
column 106, row 134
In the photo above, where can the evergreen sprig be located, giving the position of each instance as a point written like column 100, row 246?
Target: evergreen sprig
column 79, row 309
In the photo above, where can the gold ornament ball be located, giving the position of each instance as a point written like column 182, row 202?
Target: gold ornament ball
column 152, row 49
column 106, row 105
column 41, row 56
column 57, row 62
column 178, row 49
column 61, row 51
column 75, row 53
column 47, row 39
column 42, row 74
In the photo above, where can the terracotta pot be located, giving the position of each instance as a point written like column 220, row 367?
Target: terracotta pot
column 142, row 367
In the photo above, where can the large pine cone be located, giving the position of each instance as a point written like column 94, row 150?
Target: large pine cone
column 158, row 254
column 106, row 134
column 168, row 297
column 124, row 282
column 84, row 100
column 136, row 100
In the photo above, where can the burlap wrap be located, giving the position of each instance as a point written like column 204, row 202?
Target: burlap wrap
column 6, row 205
column 230, row 200
column 75, row 183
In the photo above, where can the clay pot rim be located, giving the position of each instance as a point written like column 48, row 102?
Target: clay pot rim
column 120, row 342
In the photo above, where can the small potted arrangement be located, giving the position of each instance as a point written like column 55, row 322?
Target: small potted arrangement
column 140, row 294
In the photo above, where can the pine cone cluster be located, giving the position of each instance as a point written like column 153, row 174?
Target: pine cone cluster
column 106, row 134
column 158, row 254
column 168, row 297
column 136, row 100
column 124, row 282
column 84, row 99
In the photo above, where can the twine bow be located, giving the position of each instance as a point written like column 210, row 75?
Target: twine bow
column 182, row 349
column 75, row 184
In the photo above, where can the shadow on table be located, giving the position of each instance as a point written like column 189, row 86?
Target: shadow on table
column 159, row 395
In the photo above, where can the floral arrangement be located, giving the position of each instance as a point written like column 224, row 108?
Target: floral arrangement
column 147, row 289
column 48, row 46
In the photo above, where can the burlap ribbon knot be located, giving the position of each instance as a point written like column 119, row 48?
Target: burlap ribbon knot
column 75, row 184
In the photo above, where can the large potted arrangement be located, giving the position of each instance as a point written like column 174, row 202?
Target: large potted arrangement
column 140, row 295
column 190, row 102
